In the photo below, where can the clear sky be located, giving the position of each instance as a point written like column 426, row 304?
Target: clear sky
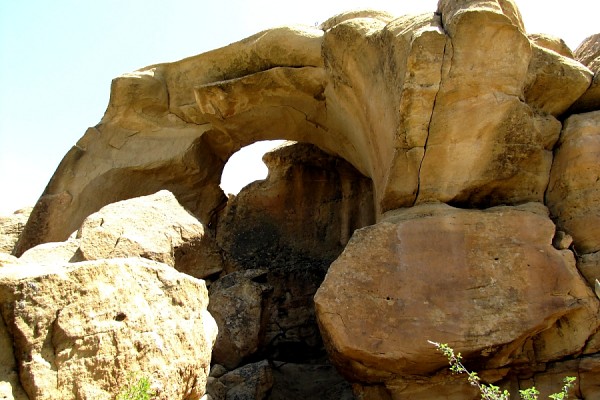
column 58, row 57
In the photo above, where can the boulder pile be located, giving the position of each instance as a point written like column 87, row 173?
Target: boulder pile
column 441, row 182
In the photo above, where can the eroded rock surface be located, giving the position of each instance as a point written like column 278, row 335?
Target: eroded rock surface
column 79, row 330
column 487, row 282
column 400, row 119
column 155, row 227
column 301, row 216
column 574, row 190
column 11, row 227
column 411, row 102
column 278, row 238
column 588, row 53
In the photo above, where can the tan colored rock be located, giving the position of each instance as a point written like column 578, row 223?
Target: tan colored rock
column 161, row 141
column 7, row 259
column 390, row 96
column 574, row 190
column 553, row 43
column 483, row 281
column 79, row 330
column 589, row 266
column 589, row 377
column 554, row 81
column 52, row 253
column 10, row 387
column 11, row 227
column 475, row 157
column 382, row 16
column 155, row 227
column 550, row 381
column 588, row 53
column 453, row 10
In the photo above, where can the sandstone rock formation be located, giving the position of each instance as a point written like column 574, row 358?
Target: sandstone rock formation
column 574, row 190
column 79, row 330
column 155, row 227
column 588, row 53
column 301, row 216
column 487, row 282
column 446, row 168
column 438, row 104
column 11, row 227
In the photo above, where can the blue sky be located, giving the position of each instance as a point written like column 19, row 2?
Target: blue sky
column 58, row 57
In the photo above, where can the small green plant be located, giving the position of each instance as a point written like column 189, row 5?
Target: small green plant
column 492, row 392
column 136, row 389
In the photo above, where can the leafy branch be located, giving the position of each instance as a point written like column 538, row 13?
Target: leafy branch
column 492, row 392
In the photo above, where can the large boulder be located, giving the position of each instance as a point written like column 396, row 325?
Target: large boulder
column 80, row 330
column 155, row 227
column 237, row 302
column 489, row 283
column 588, row 53
column 574, row 191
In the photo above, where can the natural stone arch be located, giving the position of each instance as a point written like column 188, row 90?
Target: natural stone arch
column 170, row 126
column 406, row 101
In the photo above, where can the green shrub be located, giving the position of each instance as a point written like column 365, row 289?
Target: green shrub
column 136, row 390
column 491, row 392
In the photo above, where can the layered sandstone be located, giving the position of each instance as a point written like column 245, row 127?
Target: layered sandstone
column 445, row 187
column 80, row 330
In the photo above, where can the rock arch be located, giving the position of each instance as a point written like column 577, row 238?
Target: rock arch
column 406, row 101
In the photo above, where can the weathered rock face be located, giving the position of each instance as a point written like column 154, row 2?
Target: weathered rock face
column 278, row 238
column 11, row 227
column 422, row 101
column 400, row 120
column 79, row 330
column 574, row 191
column 301, row 216
column 588, row 53
column 487, row 282
column 10, row 386
column 155, row 227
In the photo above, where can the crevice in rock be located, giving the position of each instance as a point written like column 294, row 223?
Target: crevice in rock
column 291, row 226
column 418, row 191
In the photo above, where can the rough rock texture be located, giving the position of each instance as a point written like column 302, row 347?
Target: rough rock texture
column 10, row 386
column 574, row 190
column 278, row 381
column 589, row 266
column 11, row 227
column 279, row 237
column 57, row 253
column 422, row 125
column 391, row 96
column 267, row 224
column 436, row 270
column 155, row 227
column 588, row 53
column 553, row 43
column 250, row 382
column 80, row 329
column 237, row 306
